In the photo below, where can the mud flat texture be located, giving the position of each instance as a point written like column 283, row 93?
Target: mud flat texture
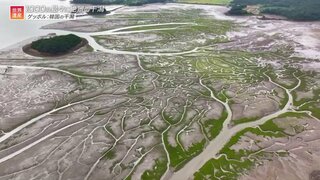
column 165, row 91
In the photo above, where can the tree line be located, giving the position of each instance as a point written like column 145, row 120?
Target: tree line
column 126, row 2
column 292, row 9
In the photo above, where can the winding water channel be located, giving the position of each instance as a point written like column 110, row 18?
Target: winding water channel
column 210, row 151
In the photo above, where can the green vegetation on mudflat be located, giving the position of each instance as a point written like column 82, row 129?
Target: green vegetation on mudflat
column 215, row 125
column 149, row 27
column 110, row 155
column 57, row 44
column 270, row 126
column 231, row 169
column 232, row 154
column 169, row 37
column 230, row 164
column 158, row 170
column 313, row 107
column 179, row 156
column 292, row 9
column 217, row 68
column 244, row 120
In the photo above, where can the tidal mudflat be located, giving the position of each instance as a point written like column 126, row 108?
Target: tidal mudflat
column 165, row 91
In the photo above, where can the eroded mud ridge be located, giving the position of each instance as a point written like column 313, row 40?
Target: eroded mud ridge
column 165, row 92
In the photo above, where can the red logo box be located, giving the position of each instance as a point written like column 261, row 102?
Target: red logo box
column 17, row 12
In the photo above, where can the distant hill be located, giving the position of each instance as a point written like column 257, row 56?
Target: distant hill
column 126, row 2
column 292, row 9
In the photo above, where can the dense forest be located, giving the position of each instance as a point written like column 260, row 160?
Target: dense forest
column 126, row 2
column 57, row 44
column 292, row 9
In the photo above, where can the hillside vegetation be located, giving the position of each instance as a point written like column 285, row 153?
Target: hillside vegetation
column 126, row 2
column 57, row 44
column 213, row 2
column 292, row 9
